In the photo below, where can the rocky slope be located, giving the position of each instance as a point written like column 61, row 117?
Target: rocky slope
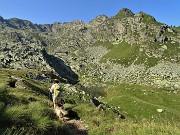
column 128, row 47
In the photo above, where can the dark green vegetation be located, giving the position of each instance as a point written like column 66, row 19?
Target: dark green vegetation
column 25, row 108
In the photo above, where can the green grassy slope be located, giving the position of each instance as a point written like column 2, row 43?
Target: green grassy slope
column 126, row 54
column 139, row 105
column 139, row 102
column 26, row 108
column 122, row 53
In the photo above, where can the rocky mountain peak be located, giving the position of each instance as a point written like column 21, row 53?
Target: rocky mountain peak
column 2, row 20
column 19, row 23
column 24, row 24
column 124, row 12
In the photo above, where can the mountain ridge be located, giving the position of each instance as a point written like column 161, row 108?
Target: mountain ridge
column 13, row 21
column 124, row 40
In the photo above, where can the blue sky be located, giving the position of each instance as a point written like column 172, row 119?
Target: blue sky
column 50, row 11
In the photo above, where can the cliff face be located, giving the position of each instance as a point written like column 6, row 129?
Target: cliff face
column 127, row 47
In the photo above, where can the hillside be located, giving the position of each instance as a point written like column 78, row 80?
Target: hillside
column 128, row 63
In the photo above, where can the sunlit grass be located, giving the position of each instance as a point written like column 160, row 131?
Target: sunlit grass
column 138, row 102
column 139, row 105
column 26, row 109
